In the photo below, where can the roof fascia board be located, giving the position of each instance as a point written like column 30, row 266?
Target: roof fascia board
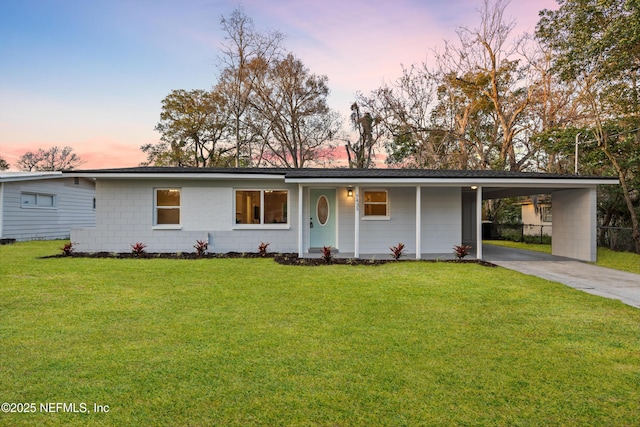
column 509, row 182
column 29, row 176
column 190, row 176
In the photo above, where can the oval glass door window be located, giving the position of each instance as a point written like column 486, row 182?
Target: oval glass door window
column 322, row 210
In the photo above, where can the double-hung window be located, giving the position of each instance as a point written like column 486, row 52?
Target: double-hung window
column 261, row 207
column 167, row 207
column 375, row 204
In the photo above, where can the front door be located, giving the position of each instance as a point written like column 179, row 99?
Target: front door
column 323, row 218
column 469, row 226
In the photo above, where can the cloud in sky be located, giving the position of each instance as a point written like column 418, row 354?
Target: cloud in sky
column 92, row 74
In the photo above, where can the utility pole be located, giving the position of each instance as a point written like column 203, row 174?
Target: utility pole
column 576, row 155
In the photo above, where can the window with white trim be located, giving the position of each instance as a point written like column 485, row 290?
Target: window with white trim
column 38, row 201
column 375, row 204
column 261, row 207
column 167, row 206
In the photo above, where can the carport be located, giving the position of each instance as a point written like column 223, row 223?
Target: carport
column 574, row 210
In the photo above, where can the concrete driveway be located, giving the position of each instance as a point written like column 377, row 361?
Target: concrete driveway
column 601, row 281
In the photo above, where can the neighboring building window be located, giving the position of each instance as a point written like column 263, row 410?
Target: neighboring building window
column 167, row 206
column 37, row 200
column 376, row 203
column 261, row 207
column 546, row 213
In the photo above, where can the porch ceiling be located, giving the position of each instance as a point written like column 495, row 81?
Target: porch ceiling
column 489, row 193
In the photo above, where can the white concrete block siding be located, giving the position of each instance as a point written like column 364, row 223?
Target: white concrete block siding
column 125, row 215
column 574, row 223
column 125, row 209
column 441, row 219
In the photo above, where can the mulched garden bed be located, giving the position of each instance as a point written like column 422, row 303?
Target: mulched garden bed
column 281, row 258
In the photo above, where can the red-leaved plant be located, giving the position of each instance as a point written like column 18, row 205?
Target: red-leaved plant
column 138, row 248
column 201, row 247
column 327, row 256
column 397, row 251
column 262, row 249
column 67, row 249
column 461, row 251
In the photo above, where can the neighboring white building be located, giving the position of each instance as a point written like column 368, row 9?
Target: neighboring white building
column 357, row 212
column 537, row 217
column 44, row 205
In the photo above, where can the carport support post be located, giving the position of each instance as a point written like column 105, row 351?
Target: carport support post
column 356, row 210
column 301, row 223
column 418, row 225
column 479, row 222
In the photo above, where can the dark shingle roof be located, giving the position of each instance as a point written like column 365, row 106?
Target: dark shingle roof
column 338, row 173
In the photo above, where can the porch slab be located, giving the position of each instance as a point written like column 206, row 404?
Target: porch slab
column 388, row 256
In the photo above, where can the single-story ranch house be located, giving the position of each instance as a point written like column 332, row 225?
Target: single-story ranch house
column 44, row 205
column 357, row 212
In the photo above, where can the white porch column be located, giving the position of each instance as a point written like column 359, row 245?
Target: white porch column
column 479, row 222
column 356, row 210
column 301, row 222
column 418, row 221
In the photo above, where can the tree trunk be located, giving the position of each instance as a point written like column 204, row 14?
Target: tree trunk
column 635, row 230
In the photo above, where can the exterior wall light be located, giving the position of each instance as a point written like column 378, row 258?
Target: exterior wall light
column 474, row 187
column 349, row 192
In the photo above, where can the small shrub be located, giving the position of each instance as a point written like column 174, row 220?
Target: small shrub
column 327, row 256
column 461, row 251
column 67, row 249
column 138, row 248
column 262, row 249
column 201, row 247
column 397, row 251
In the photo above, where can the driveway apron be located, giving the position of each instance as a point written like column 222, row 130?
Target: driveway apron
column 601, row 281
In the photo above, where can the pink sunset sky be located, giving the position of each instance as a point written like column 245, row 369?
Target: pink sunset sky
column 92, row 74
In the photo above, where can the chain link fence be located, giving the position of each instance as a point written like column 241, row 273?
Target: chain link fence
column 528, row 233
column 614, row 238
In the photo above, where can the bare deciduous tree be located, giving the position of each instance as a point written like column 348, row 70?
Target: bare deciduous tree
column 53, row 159
column 290, row 110
column 487, row 53
column 244, row 50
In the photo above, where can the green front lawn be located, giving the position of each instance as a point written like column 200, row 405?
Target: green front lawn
column 250, row 342
column 624, row 261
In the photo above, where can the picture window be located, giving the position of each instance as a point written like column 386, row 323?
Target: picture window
column 261, row 207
